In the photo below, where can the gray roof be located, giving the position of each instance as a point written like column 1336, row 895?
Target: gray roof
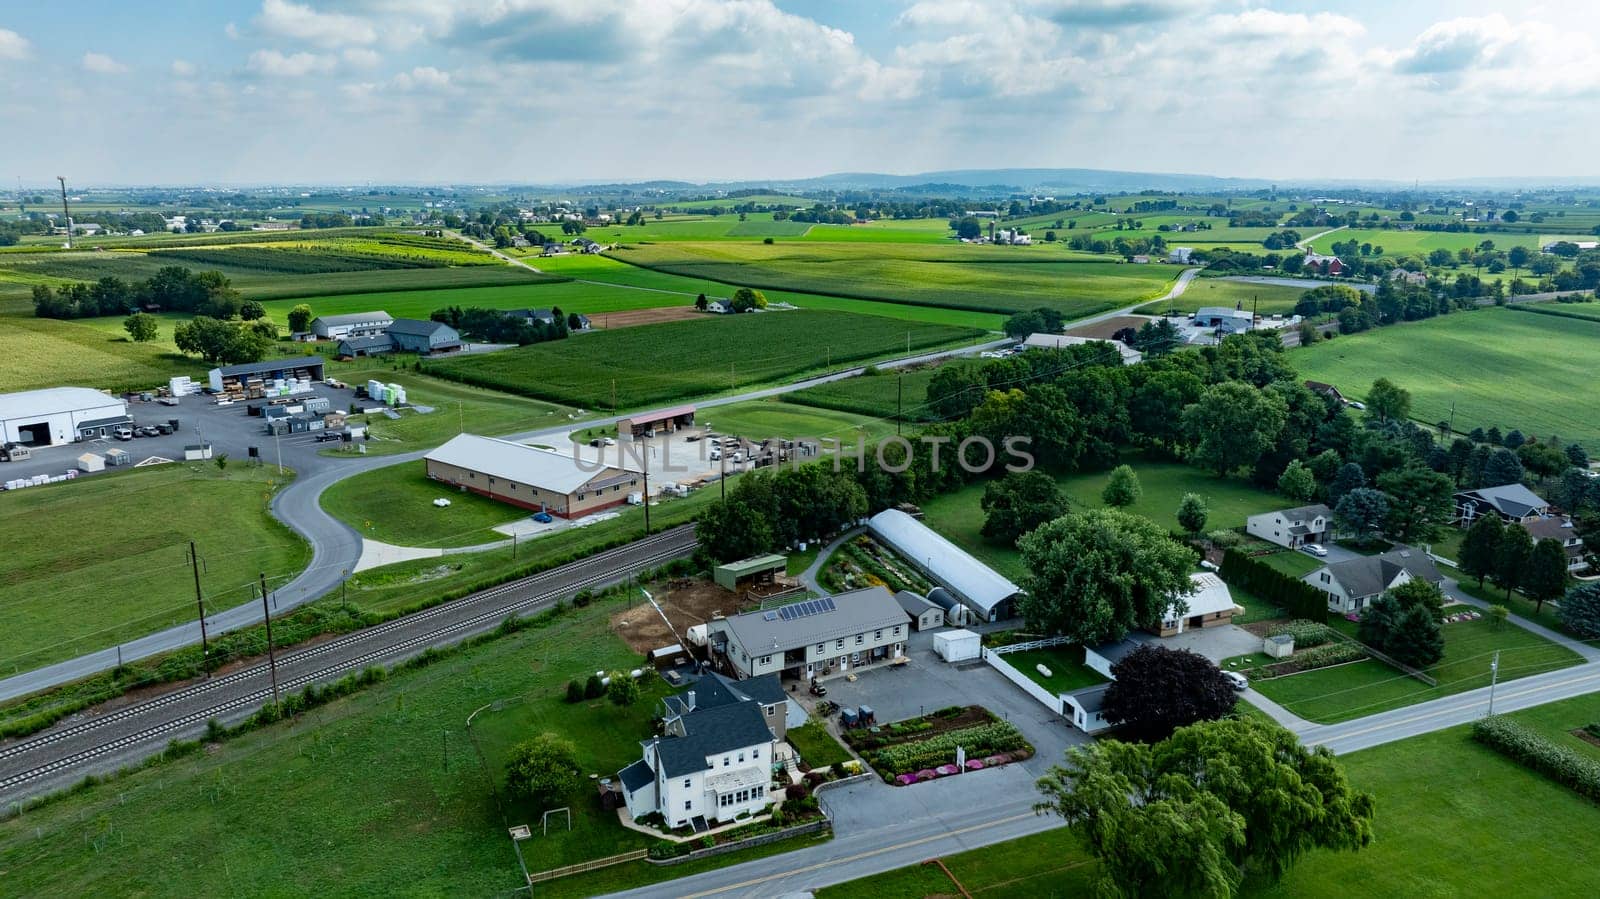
column 289, row 364
column 1091, row 699
column 420, row 328
column 711, row 731
column 104, row 422
column 914, row 603
column 1551, row 529
column 636, row 776
column 1116, row 652
column 354, row 318
column 715, row 690
column 955, row 568
column 941, row 597
column 519, row 462
column 376, row 341
column 1514, row 500
column 764, row 632
column 1371, row 575
column 1306, row 513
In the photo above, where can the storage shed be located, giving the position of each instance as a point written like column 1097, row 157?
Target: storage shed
column 58, row 415
column 91, row 462
column 746, row 573
column 925, row 616
column 659, row 421
column 958, row 645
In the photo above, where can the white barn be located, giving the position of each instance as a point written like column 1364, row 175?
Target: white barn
column 57, row 415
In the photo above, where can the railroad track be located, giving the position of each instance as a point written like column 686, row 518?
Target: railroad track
column 395, row 641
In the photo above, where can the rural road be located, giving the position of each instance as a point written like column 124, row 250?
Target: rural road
column 336, row 547
column 1305, row 243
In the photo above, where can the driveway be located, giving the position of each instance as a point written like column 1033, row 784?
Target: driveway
column 1215, row 643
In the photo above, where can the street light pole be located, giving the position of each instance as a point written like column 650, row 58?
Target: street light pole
column 1494, row 676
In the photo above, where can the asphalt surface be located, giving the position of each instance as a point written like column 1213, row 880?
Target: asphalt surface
column 104, row 739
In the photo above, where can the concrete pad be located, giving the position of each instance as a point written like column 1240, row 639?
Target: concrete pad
column 375, row 554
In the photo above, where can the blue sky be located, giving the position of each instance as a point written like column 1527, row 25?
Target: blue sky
column 348, row 91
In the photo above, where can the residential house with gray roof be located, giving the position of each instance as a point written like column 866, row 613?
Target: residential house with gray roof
column 1514, row 503
column 814, row 637
column 1353, row 584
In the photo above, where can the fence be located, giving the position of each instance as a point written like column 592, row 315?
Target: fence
column 817, row 826
column 993, row 656
column 591, row 865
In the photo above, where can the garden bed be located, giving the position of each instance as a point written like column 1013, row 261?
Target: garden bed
column 864, row 562
column 922, row 749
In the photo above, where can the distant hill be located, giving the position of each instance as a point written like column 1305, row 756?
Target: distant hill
column 1065, row 181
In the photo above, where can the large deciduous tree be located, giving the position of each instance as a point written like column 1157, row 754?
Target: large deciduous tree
column 1157, row 690
column 1232, row 424
column 1546, row 574
column 1297, row 482
column 1098, row 574
column 1420, row 502
column 1018, row 503
column 543, row 771
column 1480, row 548
column 1193, row 814
column 1511, row 558
column 142, row 327
column 1580, row 610
column 300, row 318
column 1387, row 401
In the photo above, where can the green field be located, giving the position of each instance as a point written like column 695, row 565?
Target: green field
column 103, row 559
column 1264, row 298
column 1328, row 695
column 373, row 791
column 1421, row 243
column 1497, row 367
column 1441, row 799
column 895, row 393
column 959, row 516
column 456, row 408
column 1067, row 670
column 760, row 419
column 980, row 278
column 42, row 352
column 816, row 746
column 395, row 505
column 660, row 363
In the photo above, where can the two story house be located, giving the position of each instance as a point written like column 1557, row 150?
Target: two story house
column 1353, row 584
column 814, row 637
column 1512, row 502
column 1559, row 528
column 1292, row 528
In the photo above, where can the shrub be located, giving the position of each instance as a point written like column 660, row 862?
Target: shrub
column 1224, row 538
column 1329, row 654
column 595, row 688
column 582, row 598
column 982, row 739
column 1518, row 743
column 1306, row 634
column 1287, row 592
column 624, row 690
column 667, row 849
column 794, row 792
column 574, row 691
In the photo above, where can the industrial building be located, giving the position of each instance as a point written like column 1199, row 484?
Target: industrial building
column 529, row 477
column 272, row 378
column 977, row 586
column 58, row 415
column 661, row 421
column 404, row 335
column 353, row 324
column 814, row 637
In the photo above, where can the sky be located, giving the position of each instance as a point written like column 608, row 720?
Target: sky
column 185, row 92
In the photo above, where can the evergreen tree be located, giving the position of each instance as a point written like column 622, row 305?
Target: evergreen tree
column 1480, row 548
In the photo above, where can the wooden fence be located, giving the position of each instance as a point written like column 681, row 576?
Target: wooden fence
column 591, row 865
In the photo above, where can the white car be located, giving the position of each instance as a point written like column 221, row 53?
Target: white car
column 1316, row 549
column 1238, row 680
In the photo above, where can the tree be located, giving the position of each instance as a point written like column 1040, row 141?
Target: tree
column 1361, row 513
column 594, row 687
column 701, row 303
column 300, row 319
column 1123, row 487
column 543, row 771
column 1418, row 592
column 623, row 689
column 1580, row 611
column 967, row 228
column 1420, row 502
column 746, row 299
column 1232, row 424
column 1191, row 815
column 142, row 327
column 1480, row 548
column 1498, row 615
column 221, row 461
column 1511, row 560
column 1156, row 690
column 1192, row 513
column 1408, row 633
column 1297, row 482
column 733, row 530
column 1350, row 477
column 1514, row 439
column 1577, row 455
column 250, row 310
column 1546, row 575
column 1018, row 503
column 1388, row 402
column 1098, row 574
column 574, row 691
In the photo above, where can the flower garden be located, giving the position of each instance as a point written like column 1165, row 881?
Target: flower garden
column 925, row 748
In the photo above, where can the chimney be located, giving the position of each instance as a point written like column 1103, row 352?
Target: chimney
column 691, row 700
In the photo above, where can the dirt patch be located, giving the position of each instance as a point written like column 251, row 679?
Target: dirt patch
column 633, row 317
column 1584, row 735
column 1103, row 330
column 687, row 601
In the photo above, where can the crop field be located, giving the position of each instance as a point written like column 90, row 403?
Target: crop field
column 893, row 393
column 984, row 279
column 104, row 557
column 39, row 352
column 456, row 406
column 1267, row 298
column 1421, row 243
column 1495, row 366
column 659, row 363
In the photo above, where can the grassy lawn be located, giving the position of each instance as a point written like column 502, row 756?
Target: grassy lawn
column 661, row 363
column 816, row 746
column 377, row 789
column 456, row 407
column 103, row 559
column 1293, row 562
column 1264, row 298
column 760, row 419
column 1067, row 671
column 959, row 516
column 1350, row 691
column 897, row 393
column 395, row 505
column 1480, row 362
column 1440, row 800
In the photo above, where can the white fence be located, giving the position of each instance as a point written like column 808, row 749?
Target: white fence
column 994, row 657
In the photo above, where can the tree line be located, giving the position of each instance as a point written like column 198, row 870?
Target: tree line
column 500, row 326
column 173, row 288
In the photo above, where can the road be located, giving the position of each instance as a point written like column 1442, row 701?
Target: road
column 101, row 740
column 336, row 547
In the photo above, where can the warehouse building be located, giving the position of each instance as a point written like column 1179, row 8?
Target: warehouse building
column 529, row 477
column 980, row 588
column 661, row 421
column 405, row 335
column 354, row 324
column 272, row 378
column 58, row 415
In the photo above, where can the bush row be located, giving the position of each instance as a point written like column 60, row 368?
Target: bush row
column 1294, row 596
column 997, row 736
column 1533, row 750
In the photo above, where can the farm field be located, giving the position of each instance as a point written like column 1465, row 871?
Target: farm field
column 456, row 406
column 105, row 558
column 980, row 278
column 41, row 352
column 895, row 393
column 1435, row 794
column 659, row 363
column 959, row 516
column 1265, row 298
column 1484, row 362
column 1409, row 243
column 382, row 787
column 760, row 419
column 1329, row 695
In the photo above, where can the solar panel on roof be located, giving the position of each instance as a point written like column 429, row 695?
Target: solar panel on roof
column 806, row 608
column 770, row 616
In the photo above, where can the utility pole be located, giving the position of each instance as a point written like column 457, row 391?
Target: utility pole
column 278, row 445
column 344, row 584
column 1494, row 676
column 899, row 400
column 272, row 658
column 205, row 648
column 722, row 460
column 646, row 468
column 65, row 210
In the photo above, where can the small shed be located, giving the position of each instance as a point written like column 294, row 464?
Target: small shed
column 665, row 657
column 116, row 456
column 746, row 573
column 91, row 462
column 1102, row 657
column 1084, row 706
column 925, row 616
column 194, row 452
column 1280, row 646
column 955, row 614
column 958, row 645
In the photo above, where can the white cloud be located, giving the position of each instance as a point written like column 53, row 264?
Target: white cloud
column 231, row 30
column 13, row 45
column 182, row 68
column 422, row 78
column 361, row 57
column 281, row 18
column 1493, row 55
column 274, row 64
column 101, row 64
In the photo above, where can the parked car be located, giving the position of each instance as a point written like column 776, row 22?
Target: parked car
column 165, row 428
column 543, row 517
column 123, row 433
column 1239, row 681
column 1316, row 549
column 223, row 401
column 818, row 689
column 325, row 436
column 691, row 438
column 146, row 431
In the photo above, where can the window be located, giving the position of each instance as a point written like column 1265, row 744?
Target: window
column 897, row 630
column 755, row 754
column 860, row 639
column 772, row 710
column 725, row 761
column 766, row 660
column 822, row 647
column 838, row 644
column 877, row 634
column 760, row 791
column 580, row 496
column 1324, row 577
column 686, row 783
column 741, row 758
column 688, row 804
